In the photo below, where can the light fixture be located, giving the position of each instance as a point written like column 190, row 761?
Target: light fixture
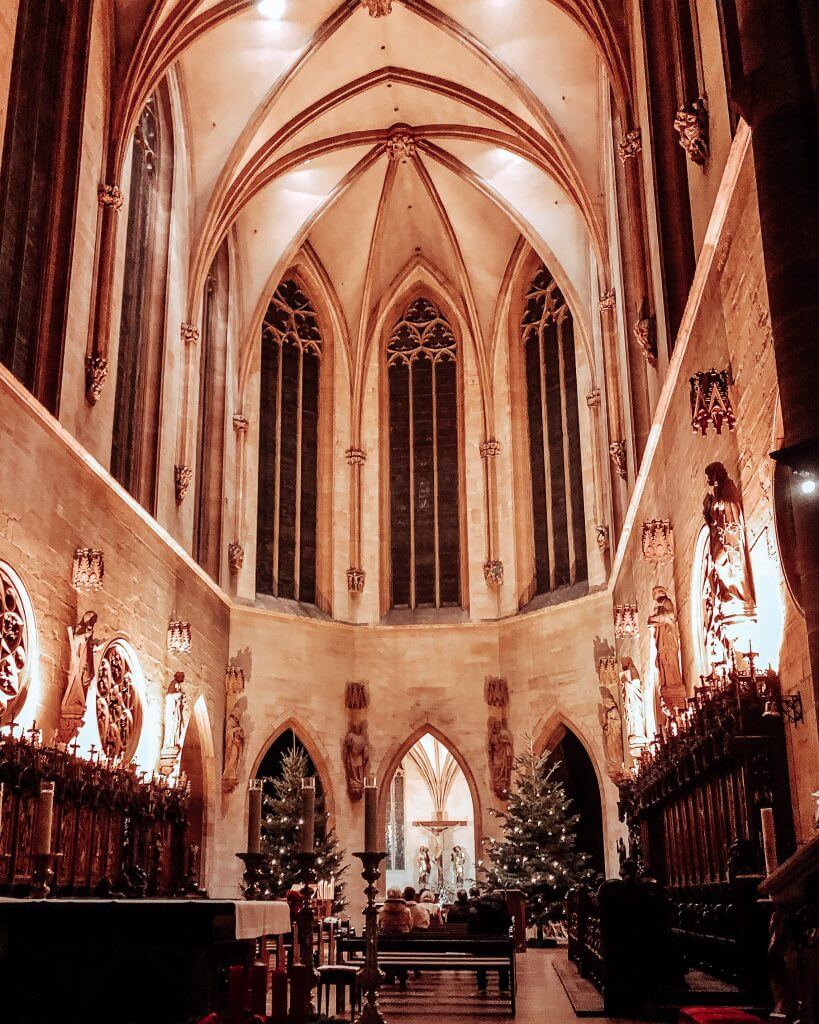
column 271, row 8
column 807, row 485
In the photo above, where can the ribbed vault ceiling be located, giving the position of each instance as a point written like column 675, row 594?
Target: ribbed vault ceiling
column 439, row 133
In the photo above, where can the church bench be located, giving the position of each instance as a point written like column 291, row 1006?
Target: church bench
column 439, row 949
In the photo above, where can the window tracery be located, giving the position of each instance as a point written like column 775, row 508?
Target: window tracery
column 118, row 709
column 16, row 643
column 558, row 514
column 424, row 491
column 288, row 445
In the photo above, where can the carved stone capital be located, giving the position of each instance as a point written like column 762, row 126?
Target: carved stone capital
column 240, row 423
column 355, row 456
column 691, row 124
column 658, row 541
column 490, row 448
column 355, row 580
column 602, row 538
column 710, row 401
column 401, row 145
column 493, row 572
column 110, row 197
column 617, row 453
column 646, row 338
column 236, row 556
column 182, row 476
column 96, row 372
column 630, row 145
column 377, row 8
column 189, row 333
column 626, row 623
column 608, row 300
column 593, row 398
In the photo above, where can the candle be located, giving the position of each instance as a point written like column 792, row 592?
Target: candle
column 2, row 796
column 254, row 817
column 370, row 815
column 308, row 814
column 769, row 840
column 45, row 819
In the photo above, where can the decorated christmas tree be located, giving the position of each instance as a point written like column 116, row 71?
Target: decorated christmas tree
column 281, row 831
column 537, row 852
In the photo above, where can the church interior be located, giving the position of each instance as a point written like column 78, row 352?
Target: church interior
column 409, row 511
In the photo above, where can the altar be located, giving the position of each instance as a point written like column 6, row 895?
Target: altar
column 151, row 961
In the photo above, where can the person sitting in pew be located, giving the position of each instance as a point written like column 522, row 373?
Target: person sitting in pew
column 395, row 918
column 420, row 913
column 488, row 915
column 458, row 913
column 428, row 901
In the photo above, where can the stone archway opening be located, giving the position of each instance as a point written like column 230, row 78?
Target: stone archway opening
column 430, row 819
column 574, row 769
column 192, row 765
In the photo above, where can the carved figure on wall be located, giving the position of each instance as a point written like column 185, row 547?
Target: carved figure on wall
column 234, row 733
column 611, row 722
column 669, row 693
column 14, row 644
column 631, row 687
column 501, row 757
column 424, row 867
column 497, row 692
column 177, row 716
column 81, row 671
column 728, row 571
column 356, row 759
column 458, row 858
column 234, row 748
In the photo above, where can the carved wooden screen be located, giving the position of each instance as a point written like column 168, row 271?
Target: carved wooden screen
column 558, row 514
column 38, row 186
column 288, row 447
column 424, row 505
column 139, row 360
column 207, row 522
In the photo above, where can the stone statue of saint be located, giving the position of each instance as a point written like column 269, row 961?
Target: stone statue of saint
column 424, row 867
column 458, row 858
column 501, row 757
column 177, row 716
column 356, row 752
column 81, row 671
column 612, row 725
column 728, row 570
column 631, row 687
column 234, row 746
column 669, row 693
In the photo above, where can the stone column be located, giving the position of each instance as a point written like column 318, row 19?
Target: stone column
column 774, row 90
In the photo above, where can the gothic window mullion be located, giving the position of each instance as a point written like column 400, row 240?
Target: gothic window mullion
column 277, row 491
column 547, row 462
column 411, row 440
column 299, row 435
column 561, row 317
column 436, row 543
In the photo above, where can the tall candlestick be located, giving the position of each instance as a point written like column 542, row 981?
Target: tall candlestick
column 45, row 819
column 769, row 840
column 370, row 814
column 308, row 814
column 254, row 817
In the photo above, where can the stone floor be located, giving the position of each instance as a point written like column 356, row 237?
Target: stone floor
column 453, row 999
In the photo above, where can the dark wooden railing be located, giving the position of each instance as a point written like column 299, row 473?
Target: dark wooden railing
column 114, row 832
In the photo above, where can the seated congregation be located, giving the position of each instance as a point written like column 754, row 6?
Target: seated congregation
column 409, row 511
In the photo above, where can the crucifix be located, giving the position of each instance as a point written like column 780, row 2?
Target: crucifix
column 438, row 828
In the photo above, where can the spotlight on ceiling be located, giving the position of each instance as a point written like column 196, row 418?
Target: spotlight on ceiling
column 271, row 8
column 808, row 485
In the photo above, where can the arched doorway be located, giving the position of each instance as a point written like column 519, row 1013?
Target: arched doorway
column 270, row 766
column 574, row 769
column 430, row 817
